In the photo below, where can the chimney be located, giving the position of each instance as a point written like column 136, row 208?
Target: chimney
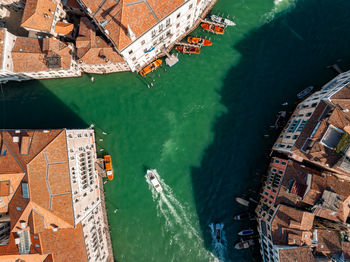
column 131, row 33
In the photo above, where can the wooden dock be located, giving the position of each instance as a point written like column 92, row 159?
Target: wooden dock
column 212, row 23
column 99, row 163
column 195, row 25
column 187, row 44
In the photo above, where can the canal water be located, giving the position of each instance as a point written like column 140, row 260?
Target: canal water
column 201, row 125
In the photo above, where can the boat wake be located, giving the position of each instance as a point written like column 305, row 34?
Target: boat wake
column 178, row 222
column 280, row 6
column 219, row 249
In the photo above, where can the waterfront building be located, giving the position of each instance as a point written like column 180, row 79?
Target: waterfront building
column 35, row 58
column 41, row 16
column 318, row 130
column 93, row 52
column 141, row 30
column 50, row 197
column 302, row 211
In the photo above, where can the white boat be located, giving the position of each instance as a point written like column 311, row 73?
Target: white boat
column 222, row 20
column 305, row 92
column 244, row 244
column 242, row 201
column 152, row 178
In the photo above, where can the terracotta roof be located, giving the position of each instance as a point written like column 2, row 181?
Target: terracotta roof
column 290, row 221
column 299, row 254
column 31, row 54
column 73, row 3
column 63, row 28
column 328, row 242
column 92, row 49
column 48, row 204
column 140, row 16
column 65, row 245
column 2, row 43
column 38, row 14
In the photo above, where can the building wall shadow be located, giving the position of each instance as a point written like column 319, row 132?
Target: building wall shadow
column 278, row 60
column 30, row 105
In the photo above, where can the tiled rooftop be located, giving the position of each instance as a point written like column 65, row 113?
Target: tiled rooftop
column 92, row 49
column 140, row 16
column 290, row 221
column 46, row 208
column 31, row 54
column 300, row 254
column 38, row 14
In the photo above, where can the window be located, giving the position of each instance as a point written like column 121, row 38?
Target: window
column 188, row 17
column 130, row 52
column 308, row 114
column 18, row 208
column 191, row 5
column 25, row 192
column 160, row 28
column 314, row 105
column 178, row 15
column 167, row 23
column 36, row 245
column 154, row 33
column 143, row 42
column 177, row 26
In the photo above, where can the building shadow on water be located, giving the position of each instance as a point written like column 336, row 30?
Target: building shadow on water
column 30, row 105
column 278, row 60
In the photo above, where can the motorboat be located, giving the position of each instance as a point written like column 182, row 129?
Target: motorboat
column 108, row 166
column 188, row 49
column 217, row 232
column 151, row 67
column 247, row 232
column 244, row 216
column 242, row 201
column 222, row 20
column 305, row 92
column 199, row 41
column 152, row 178
column 213, row 28
column 243, row 244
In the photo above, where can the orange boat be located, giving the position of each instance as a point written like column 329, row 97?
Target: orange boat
column 213, row 28
column 188, row 49
column 151, row 67
column 199, row 41
column 108, row 167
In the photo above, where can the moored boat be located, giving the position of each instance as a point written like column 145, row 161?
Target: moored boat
column 244, row 216
column 108, row 166
column 242, row 201
column 152, row 178
column 151, row 67
column 188, row 49
column 222, row 20
column 199, row 41
column 247, row 232
column 244, row 244
column 305, row 92
column 213, row 28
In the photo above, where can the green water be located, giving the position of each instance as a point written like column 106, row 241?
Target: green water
column 201, row 126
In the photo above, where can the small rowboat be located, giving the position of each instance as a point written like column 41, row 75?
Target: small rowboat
column 244, row 216
column 108, row 167
column 244, row 244
column 199, row 41
column 188, row 50
column 247, row 232
column 213, row 28
column 305, row 92
column 151, row 67
column 242, row 201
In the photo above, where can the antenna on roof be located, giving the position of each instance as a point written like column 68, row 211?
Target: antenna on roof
column 131, row 33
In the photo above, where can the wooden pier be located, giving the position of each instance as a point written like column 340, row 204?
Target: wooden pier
column 195, row 25
column 212, row 23
column 187, row 44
